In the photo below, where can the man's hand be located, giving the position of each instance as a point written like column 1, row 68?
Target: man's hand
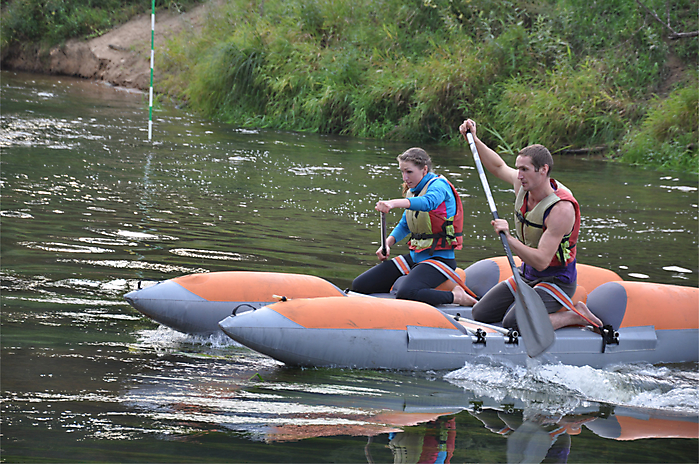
column 467, row 125
column 501, row 225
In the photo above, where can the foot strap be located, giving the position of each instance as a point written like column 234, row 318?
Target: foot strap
column 556, row 292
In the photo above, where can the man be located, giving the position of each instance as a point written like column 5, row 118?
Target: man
column 547, row 222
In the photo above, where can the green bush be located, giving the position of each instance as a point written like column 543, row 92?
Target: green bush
column 561, row 109
column 669, row 134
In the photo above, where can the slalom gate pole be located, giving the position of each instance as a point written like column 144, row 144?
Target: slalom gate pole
column 152, row 59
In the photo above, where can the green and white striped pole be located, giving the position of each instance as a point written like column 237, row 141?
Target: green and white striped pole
column 152, row 59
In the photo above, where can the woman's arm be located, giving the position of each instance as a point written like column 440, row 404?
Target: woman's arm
column 384, row 206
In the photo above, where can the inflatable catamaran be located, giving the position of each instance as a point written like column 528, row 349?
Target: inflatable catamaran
column 304, row 320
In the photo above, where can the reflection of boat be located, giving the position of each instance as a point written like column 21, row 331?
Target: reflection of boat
column 532, row 437
column 290, row 405
column 654, row 323
column 628, row 425
column 532, row 433
column 196, row 303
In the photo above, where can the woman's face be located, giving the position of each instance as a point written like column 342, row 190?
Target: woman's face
column 412, row 175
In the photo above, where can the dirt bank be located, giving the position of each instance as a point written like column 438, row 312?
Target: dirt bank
column 120, row 57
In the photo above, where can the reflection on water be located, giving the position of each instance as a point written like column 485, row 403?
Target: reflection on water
column 89, row 209
column 206, row 254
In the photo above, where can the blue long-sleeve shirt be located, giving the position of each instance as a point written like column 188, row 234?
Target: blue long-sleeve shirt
column 437, row 193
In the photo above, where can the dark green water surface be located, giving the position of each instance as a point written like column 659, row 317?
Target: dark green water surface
column 89, row 207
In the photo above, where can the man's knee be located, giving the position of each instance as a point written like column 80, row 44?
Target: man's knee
column 481, row 313
column 484, row 313
column 510, row 320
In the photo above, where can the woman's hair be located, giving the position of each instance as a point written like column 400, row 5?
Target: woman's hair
column 539, row 155
column 418, row 157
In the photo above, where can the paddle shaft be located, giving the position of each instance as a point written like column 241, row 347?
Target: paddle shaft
column 489, row 195
column 383, row 233
column 532, row 317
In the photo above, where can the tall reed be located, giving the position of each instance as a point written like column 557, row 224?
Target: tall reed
column 668, row 137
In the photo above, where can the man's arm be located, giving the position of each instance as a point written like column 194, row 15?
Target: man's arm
column 559, row 222
column 490, row 159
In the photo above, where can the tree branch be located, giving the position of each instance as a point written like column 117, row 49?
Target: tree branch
column 674, row 35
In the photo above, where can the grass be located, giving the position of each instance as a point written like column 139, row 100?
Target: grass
column 668, row 136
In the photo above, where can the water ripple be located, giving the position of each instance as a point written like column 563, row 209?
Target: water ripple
column 64, row 247
column 644, row 386
column 209, row 254
column 127, row 264
column 16, row 214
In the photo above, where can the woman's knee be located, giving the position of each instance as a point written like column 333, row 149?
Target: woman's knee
column 363, row 283
column 404, row 292
column 357, row 285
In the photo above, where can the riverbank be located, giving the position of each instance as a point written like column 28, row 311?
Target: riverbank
column 580, row 79
column 120, row 57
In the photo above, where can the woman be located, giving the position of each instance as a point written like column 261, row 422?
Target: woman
column 433, row 218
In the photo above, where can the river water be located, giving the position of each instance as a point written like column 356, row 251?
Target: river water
column 90, row 207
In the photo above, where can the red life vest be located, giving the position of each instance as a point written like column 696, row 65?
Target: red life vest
column 436, row 231
column 529, row 225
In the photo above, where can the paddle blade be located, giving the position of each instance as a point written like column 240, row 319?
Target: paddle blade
column 529, row 443
column 533, row 320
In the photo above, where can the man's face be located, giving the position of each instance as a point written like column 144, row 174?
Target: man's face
column 528, row 176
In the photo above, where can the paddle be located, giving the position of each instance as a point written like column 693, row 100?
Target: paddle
column 528, row 443
column 383, row 233
column 532, row 318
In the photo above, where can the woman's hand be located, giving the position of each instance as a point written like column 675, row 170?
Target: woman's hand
column 384, row 206
column 390, row 241
column 380, row 254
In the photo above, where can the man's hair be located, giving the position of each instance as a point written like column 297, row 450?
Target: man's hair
column 417, row 156
column 539, row 155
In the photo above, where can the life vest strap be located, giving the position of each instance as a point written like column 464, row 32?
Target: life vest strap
column 402, row 264
column 450, row 274
column 555, row 291
column 436, row 238
column 512, row 285
column 525, row 222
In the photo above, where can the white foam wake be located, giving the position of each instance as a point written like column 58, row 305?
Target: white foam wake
column 562, row 387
